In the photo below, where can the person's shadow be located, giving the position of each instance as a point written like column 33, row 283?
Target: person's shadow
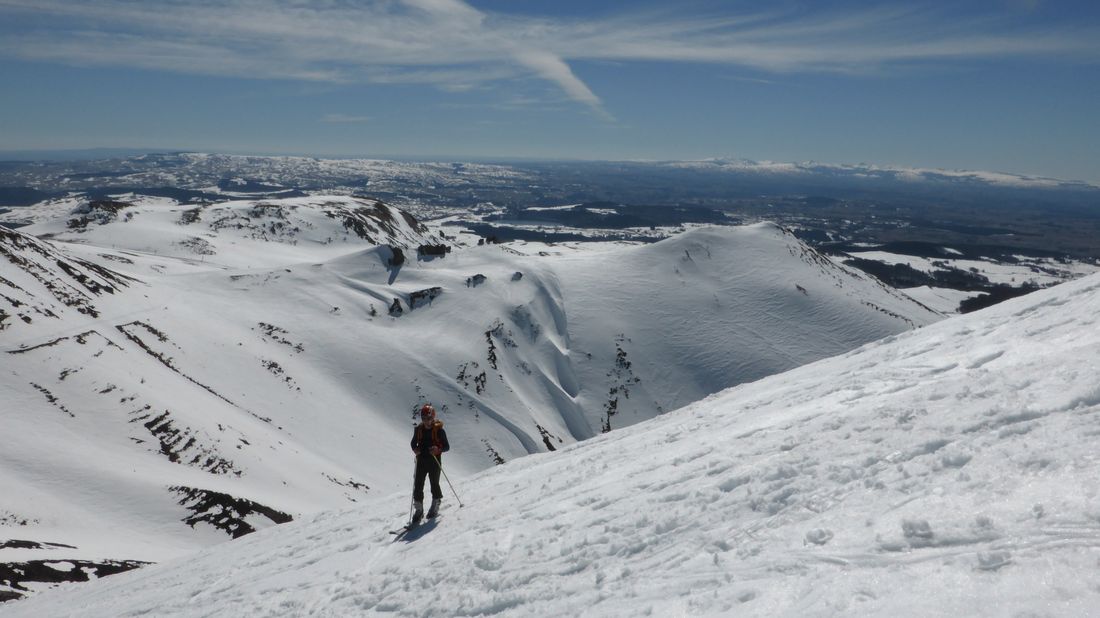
column 420, row 530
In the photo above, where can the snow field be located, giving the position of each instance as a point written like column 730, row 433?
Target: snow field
column 942, row 472
column 944, row 300
column 290, row 386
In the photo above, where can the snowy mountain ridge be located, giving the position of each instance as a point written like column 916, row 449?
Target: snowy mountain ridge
column 239, row 232
column 275, row 374
column 873, row 171
column 941, row 472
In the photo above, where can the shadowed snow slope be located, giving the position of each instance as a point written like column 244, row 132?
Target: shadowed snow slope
column 156, row 401
column 946, row 471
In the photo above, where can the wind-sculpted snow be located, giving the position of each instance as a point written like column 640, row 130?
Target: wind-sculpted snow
column 949, row 471
column 277, row 374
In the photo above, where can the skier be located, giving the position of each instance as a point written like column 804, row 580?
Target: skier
column 429, row 442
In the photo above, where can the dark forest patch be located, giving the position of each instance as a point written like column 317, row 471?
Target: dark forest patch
column 994, row 295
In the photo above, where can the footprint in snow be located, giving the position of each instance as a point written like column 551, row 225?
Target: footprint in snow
column 819, row 536
column 994, row 560
column 916, row 529
column 984, row 359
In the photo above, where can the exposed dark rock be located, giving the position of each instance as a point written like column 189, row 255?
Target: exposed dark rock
column 476, row 280
column 463, row 377
column 623, row 377
column 395, row 308
column 223, row 511
column 491, row 356
column 278, row 335
column 420, row 298
column 93, row 286
column 433, row 250
column 17, row 574
column 373, row 219
column 198, row 246
column 116, row 258
column 398, row 256
column 277, row 370
column 96, row 211
column 18, row 544
column 72, row 282
column 52, row 399
column 127, row 329
column 190, row 216
column 82, row 339
column 350, row 483
column 183, row 445
column 493, row 454
column 547, row 438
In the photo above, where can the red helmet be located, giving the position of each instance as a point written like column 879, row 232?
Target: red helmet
column 427, row 411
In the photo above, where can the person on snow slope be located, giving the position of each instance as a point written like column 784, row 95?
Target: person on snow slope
column 429, row 442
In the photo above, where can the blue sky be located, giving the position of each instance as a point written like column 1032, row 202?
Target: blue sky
column 1010, row 85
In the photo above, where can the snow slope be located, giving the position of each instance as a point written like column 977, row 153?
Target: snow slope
column 948, row 471
column 205, row 395
column 234, row 234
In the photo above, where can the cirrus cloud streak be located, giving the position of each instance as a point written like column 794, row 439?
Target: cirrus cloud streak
column 457, row 47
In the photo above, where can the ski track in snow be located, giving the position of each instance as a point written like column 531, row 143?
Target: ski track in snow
column 949, row 471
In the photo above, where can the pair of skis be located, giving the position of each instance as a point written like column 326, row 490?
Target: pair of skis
column 402, row 532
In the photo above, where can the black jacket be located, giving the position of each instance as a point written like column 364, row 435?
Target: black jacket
column 423, row 439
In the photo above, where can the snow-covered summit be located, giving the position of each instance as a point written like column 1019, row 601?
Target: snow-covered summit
column 240, row 233
column 945, row 471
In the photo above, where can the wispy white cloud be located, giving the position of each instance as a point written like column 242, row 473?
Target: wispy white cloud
column 555, row 69
column 452, row 45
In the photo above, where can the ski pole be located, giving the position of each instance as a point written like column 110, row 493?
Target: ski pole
column 412, row 500
column 440, row 463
